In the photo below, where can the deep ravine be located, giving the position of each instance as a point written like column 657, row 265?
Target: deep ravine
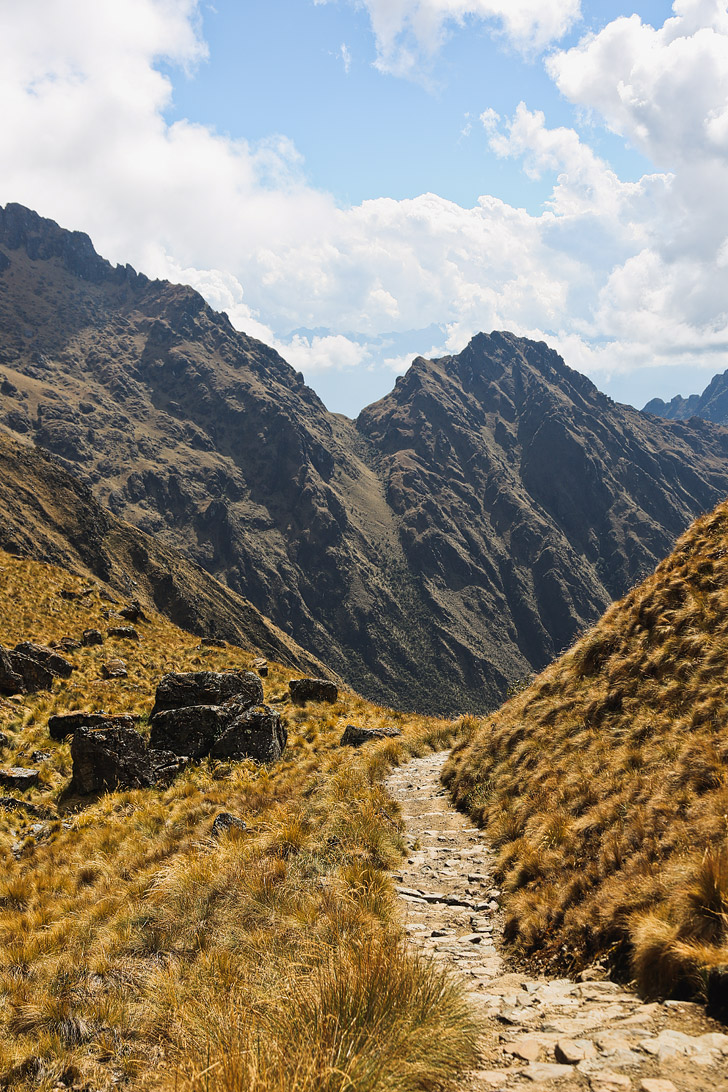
column 538, row 1033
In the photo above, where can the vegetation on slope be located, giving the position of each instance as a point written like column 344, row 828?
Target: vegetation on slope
column 137, row 950
column 604, row 784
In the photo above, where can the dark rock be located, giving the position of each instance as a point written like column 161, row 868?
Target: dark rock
column 17, row 777
column 10, row 803
column 65, row 724
column 354, row 737
column 40, row 756
column 92, row 637
column 188, row 731
column 212, row 642
column 257, row 733
column 303, row 690
column 717, row 992
column 4, row 740
column 127, row 633
column 224, row 822
column 114, row 669
column 134, row 612
column 69, row 644
column 178, row 690
column 11, row 682
column 34, row 674
column 69, row 593
column 118, row 758
column 261, row 666
column 50, row 659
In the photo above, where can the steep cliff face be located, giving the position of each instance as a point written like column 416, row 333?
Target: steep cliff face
column 528, row 499
column 456, row 537
column 711, row 405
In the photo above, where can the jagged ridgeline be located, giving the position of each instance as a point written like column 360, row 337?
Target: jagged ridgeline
column 604, row 784
column 456, row 536
column 230, row 919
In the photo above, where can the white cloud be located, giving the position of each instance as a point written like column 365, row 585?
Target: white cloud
column 616, row 273
column 410, row 31
column 345, row 54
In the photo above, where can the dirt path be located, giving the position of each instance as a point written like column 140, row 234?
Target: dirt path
column 538, row 1033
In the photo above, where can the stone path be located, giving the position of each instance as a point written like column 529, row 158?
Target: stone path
column 539, row 1034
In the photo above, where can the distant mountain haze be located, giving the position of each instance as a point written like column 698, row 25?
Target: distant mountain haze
column 711, row 405
column 455, row 537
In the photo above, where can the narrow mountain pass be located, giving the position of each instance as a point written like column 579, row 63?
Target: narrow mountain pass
column 538, row 1033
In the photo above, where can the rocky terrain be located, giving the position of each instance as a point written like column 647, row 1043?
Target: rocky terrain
column 454, row 538
column 538, row 1033
column 711, row 405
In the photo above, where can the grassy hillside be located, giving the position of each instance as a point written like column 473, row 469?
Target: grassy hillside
column 604, row 784
column 136, row 950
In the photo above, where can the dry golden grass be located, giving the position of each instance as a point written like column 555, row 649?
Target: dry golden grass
column 136, row 949
column 605, row 783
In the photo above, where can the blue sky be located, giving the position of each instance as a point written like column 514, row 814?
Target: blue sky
column 359, row 181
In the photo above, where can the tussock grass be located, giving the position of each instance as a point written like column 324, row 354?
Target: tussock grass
column 604, row 784
column 135, row 949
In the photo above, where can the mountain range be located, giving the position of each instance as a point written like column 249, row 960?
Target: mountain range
column 711, row 405
column 453, row 538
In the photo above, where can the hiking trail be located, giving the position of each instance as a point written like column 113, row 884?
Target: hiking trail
column 538, row 1033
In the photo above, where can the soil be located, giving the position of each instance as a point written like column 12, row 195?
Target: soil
column 538, row 1033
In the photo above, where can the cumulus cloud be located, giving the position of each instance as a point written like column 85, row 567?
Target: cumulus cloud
column 614, row 273
column 410, row 31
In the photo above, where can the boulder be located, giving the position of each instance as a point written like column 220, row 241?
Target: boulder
column 65, row 724
column 354, row 737
column 225, row 822
column 261, row 666
column 255, row 733
column 50, row 659
column 177, row 691
column 68, row 644
column 303, row 690
column 92, row 637
column 134, row 612
column 125, row 633
column 212, row 642
column 34, row 674
column 10, row 681
column 114, row 669
column 190, row 731
column 17, row 777
column 118, row 758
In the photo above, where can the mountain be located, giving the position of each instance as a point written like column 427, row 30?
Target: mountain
column 455, row 537
column 604, row 785
column 711, row 405
column 47, row 514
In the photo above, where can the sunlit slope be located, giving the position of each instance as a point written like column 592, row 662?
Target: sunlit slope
column 138, row 949
column 604, row 784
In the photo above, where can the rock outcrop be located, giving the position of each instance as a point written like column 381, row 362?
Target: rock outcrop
column 711, row 405
column 111, row 758
column 303, row 690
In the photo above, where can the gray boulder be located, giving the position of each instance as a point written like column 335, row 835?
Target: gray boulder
column 225, row 822
column 178, row 691
column 190, row 731
column 355, row 737
column 118, row 758
column 255, row 733
column 11, row 682
column 35, row 675
column 18, row 777
column 92, row 637
column 303, row 690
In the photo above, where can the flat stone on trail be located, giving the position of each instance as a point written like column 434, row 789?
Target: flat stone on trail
column 546, row 1071
column 573, row 1051
column 528, row 1050
column 656, row 1084
column 606, row 1081
column 497, row 1079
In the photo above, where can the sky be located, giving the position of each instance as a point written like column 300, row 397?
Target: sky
column 357, row 182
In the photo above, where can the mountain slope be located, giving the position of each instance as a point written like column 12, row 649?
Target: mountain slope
column 605, row 783
column 47, row 514
column 711, row 405
column 454, row 538
column 528, row 500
